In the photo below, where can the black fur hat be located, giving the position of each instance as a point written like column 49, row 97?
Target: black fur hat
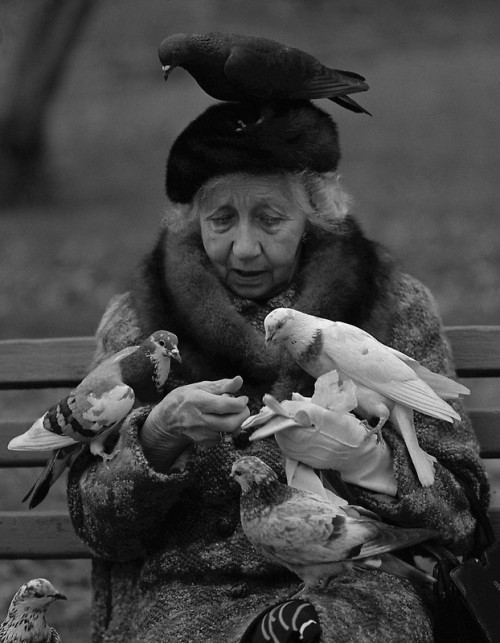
column 228, row 138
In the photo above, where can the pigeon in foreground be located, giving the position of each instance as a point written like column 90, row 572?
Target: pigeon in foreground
column 314, row 538
column 232, row 67
column 25, row 621
column 389, row 384
column 95, row 408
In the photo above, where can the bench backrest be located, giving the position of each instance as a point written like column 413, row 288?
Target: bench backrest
column 63, row 362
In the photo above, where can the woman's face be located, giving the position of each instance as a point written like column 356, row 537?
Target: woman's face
column 252, row 232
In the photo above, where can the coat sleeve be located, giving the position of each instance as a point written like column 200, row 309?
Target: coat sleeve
column 417, row 330
column 120, row 509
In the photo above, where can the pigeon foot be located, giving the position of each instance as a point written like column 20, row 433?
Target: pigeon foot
column 377, row 430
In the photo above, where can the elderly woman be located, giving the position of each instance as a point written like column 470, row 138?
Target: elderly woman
column 255, row 220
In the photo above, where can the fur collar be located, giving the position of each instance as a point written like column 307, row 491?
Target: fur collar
column 340, row 277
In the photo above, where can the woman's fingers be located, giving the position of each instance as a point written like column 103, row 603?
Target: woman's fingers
column 203, row 410
column 227, row 423
column 219, row 387
column 222, row 404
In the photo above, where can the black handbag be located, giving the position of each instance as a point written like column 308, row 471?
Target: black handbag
column 467, row 592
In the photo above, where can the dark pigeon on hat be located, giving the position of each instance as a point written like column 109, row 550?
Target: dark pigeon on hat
column 232, row 67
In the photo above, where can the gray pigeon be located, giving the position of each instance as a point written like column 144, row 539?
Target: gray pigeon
column 313, row 537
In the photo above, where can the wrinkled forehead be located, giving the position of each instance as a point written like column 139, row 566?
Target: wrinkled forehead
column 231, row 189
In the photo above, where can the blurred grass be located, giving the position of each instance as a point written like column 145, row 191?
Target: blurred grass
column 424, row 170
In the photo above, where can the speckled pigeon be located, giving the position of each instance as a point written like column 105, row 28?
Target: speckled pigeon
column 25, row 621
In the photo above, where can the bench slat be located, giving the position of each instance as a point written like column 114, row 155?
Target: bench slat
column 44, row 363
column 47, row 534
column 486, row 424
column 476, row 350
column 26, row 363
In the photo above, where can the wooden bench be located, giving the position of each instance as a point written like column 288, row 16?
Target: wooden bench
column 63, row 362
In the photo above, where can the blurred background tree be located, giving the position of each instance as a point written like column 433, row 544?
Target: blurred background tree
column 38, row 71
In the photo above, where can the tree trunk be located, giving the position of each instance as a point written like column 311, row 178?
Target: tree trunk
column 35, row 78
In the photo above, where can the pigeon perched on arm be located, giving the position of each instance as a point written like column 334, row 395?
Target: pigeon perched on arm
column 233, row 67
column 97, row 406
column 25, row 621
column 389, row 384
column 314, row 538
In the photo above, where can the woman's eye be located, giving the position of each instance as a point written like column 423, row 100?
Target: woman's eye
column 269, row 221
column 221, row 221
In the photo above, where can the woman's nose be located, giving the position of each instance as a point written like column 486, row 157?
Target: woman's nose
column 245, row 243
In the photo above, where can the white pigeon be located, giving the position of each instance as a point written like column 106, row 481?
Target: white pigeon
column 389, row 384
column 25, row 621
column 313, row 537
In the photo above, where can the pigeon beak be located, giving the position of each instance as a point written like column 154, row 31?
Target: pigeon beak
column 59, row 596
column 174, row 353
column 269, row 337
column 166, row 71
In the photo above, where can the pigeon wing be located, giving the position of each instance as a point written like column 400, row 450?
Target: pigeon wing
column 298, row 530
column 387, row 538
column 444, row 386
column 264, row 70
column 256, row 72
column 365, row 360
column 305, row 532
column 322, row 82
column 100, row 409
column 102, row 399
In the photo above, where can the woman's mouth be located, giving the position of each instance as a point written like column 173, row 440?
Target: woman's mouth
column 248, row 277
column 248, row 274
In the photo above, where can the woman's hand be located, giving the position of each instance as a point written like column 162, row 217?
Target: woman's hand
column 193, row 413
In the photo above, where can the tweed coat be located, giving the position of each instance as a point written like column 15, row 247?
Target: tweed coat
column 172, row 563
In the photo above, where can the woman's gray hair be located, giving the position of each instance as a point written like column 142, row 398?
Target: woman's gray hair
column 321, row 197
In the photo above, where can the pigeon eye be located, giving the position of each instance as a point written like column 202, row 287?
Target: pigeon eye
column 161, row 342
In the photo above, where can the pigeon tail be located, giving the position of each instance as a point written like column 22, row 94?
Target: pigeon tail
column 53, row 470
column 37, row 438
column 402, row 419
column 348, row 103
column 392, row 564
